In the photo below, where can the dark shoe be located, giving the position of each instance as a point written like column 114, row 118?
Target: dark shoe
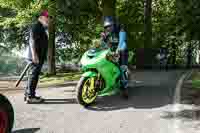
column 124, row 94
column 35, row 99
column 38, row 97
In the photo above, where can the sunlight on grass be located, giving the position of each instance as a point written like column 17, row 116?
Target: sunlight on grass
column 196, row 80
column 196, row 84
column 60, row 78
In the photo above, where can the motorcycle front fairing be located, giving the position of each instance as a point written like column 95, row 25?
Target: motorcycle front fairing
column 109, row 71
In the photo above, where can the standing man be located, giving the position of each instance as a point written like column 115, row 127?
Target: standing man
column 37, row 52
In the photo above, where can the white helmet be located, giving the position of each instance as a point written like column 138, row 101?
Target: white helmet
column 107, row 23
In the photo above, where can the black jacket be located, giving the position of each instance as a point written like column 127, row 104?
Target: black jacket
column 39, row 39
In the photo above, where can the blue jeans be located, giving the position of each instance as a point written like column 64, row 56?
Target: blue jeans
column 124, row 57
column 124, row 63
column 33, row 77
column 124, row 78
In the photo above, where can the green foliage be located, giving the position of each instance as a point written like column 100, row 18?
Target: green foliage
column 164, row 20
column 11, row 66
column 174, row 23
column 131, row 13
column 14, row 26
column 188, row 17
column 81, row 26
column 26, row 11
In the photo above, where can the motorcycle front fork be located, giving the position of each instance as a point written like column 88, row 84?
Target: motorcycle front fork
column 98, row 82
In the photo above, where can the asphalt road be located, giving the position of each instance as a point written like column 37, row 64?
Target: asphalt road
column 149, row 110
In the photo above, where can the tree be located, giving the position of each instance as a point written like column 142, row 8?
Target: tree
column 147, row 23
column 131, row 13
column 51, row 44
column 108, row 7
column 80, row 22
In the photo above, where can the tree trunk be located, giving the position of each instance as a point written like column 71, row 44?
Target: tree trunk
column 147, row 23
column 51, row 48
column 174, row 55
column 108, row 7
column 109, row 12
column 189, row 55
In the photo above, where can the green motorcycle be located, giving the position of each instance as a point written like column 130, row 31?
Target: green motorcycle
column 101, row 75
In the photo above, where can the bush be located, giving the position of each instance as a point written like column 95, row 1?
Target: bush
column 11, row 65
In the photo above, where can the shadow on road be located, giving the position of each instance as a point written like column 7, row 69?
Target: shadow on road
column 27, row 130
column 157, row 90
column 59, row 101
column 186, row 114
column 145, row 97
column 68, row 90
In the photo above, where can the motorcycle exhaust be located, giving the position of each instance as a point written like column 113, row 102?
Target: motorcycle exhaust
column 23, row 73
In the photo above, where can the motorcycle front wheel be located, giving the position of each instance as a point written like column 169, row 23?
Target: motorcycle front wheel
column 6, row 115
column 86, row 92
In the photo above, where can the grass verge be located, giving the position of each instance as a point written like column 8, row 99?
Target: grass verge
column 195, row 78
column 59, row 78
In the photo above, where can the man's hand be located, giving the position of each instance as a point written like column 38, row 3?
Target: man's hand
column 118, row 51
column 35, row 59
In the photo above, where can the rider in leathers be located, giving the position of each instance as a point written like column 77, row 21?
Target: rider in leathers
column 108, row 38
